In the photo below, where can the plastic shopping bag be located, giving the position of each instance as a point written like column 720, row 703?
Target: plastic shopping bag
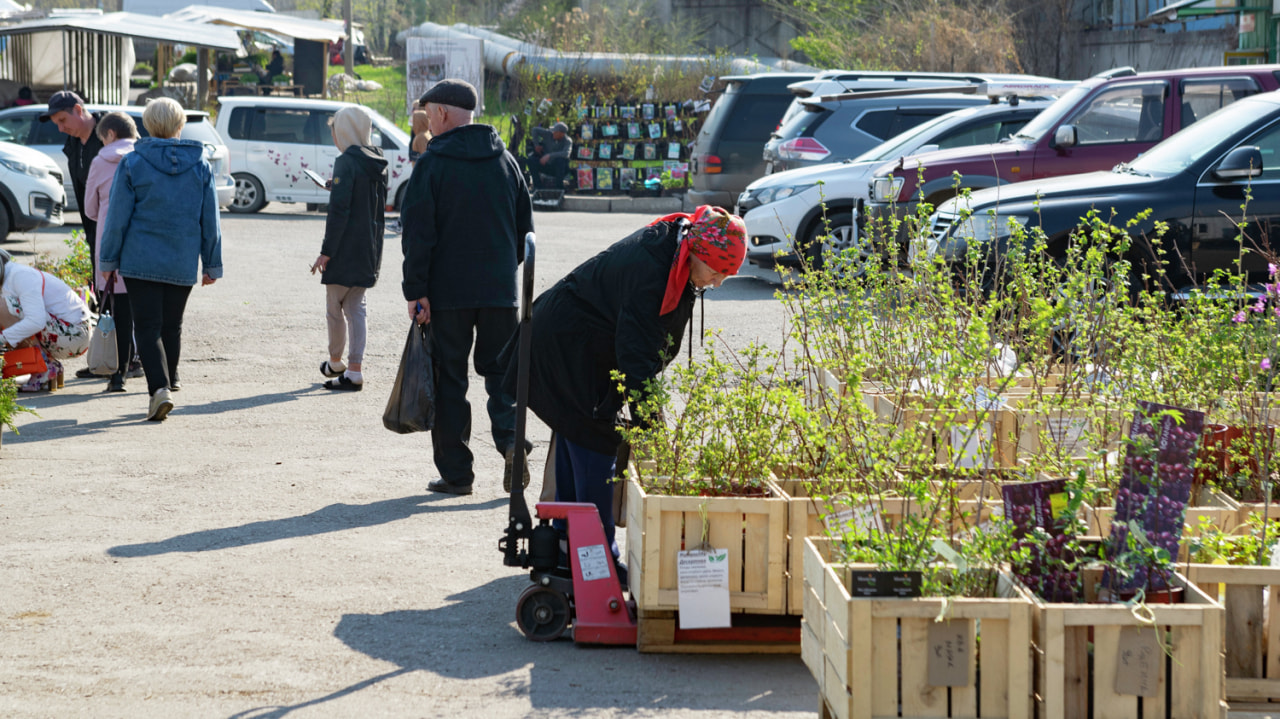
column 412, row 405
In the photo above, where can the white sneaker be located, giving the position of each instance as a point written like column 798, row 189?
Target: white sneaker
column 160, row 405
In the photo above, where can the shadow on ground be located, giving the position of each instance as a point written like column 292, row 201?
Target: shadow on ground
column 474, row 637
column 333, row 518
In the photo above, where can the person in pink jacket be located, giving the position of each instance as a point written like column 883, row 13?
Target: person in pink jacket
column 118, row 134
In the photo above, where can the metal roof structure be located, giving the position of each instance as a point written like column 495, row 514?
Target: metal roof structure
column 134, row 25
column 295, row 27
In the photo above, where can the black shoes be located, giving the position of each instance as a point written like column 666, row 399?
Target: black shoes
column 343, row 384
column 85, row 373
column 116, row 383
column 439, row 485
column 135, row 369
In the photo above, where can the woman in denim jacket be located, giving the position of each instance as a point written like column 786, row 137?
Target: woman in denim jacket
column 162, row 225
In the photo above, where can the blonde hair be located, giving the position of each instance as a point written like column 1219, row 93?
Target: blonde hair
column 164, row 118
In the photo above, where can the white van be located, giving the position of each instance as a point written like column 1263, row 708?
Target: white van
column 273, row 139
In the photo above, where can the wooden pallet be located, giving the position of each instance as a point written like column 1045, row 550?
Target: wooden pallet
column 659, row 632
column 1251, row 634
column 943, row 430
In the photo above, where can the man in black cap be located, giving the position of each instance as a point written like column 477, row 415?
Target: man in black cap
column 466, row 213
column 66, row 110
column 550, row 157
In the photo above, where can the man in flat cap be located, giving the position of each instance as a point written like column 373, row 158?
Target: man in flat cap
column 550, row 157
column 466, row 213
column 66, row 111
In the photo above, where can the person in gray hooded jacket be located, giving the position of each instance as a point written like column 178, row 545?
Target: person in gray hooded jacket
column 351, row 254
column 162, row 225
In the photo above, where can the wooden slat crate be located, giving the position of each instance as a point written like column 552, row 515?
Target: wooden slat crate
column 1069, row 680
column 806, row 518
column 996, row 434
column 753, row 529
column 1251, row 636
column 1225, row 518
column 870, row 656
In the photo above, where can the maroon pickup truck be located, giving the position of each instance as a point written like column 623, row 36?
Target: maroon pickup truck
column 1106, row 120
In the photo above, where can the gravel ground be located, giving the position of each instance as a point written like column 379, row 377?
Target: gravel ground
column 271, row 550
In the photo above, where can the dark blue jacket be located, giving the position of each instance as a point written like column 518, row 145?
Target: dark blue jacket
column 162, row 220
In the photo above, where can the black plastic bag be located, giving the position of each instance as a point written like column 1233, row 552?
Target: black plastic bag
column 412, row 405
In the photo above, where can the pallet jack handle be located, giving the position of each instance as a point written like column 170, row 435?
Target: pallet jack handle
column 519, row 521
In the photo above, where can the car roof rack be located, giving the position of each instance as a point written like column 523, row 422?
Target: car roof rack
column 994, row 90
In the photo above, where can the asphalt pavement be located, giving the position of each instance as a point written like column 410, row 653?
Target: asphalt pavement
column 271, row 550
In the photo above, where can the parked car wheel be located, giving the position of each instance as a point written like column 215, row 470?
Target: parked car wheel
column 250, row 195
column 835, row 235
column 6, row 223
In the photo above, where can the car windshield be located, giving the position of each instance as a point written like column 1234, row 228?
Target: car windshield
column 1054, row 113
column 892, row 147
column 1187, row 146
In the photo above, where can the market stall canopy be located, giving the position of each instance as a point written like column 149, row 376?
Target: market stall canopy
column 295, row 27
column 1173, row 12
column 133, row 25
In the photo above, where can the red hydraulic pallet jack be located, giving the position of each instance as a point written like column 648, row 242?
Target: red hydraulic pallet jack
column 587, row 593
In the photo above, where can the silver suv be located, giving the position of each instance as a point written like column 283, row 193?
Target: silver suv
column 22, row 126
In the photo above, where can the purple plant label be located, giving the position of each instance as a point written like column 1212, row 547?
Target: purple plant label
column 1155, row 485
column 1048, row 569
column 1035, row 504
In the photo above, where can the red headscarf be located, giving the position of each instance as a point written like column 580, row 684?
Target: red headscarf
column 715, row 237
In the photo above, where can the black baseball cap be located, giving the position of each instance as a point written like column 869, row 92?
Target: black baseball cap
column 61, row 100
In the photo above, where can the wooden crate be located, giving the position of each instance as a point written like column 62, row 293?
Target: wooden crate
column 997, row 437
column 807, row 518
column 659, row 632
column 1224, row 516
column 753, row 529
column 1251, row 635
column 1069, row 680
column 870, row 656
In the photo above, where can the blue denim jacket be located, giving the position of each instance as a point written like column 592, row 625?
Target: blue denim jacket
column 162, row 217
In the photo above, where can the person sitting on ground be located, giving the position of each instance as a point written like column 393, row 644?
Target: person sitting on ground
column 118, row 135
column 351, row 254
column 38, row 309
column 550, row 156
column 623, row 310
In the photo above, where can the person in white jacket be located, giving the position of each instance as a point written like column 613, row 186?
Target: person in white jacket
column 39, row 309
column 118, row 134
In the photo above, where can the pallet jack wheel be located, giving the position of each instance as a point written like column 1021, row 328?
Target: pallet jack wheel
column 542, row 613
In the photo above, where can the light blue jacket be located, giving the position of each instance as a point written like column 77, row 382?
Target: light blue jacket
column 162, row 220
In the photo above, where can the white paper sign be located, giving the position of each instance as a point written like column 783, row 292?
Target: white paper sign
column 974, row 446
column 846, row 518
column 593, row 560
column 1068, row 434
column 703, row 581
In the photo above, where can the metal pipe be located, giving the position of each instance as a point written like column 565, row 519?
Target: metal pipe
column 504, row 55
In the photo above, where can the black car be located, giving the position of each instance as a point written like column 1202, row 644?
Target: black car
column 726, row 153
column 1196, row 182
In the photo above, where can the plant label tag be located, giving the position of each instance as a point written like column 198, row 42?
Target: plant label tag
column 1138, row 661
column 950, row 653
column 845, row 518
column 904, row 585
column 863, row 583
column 593, row 562
column 1068, row 434
column 702, row 579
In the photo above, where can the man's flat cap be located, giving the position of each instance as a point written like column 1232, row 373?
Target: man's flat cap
column 560, row 127
column 61, row 100
column 458, row 93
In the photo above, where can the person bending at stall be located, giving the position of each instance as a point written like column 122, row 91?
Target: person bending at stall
column 624, row 309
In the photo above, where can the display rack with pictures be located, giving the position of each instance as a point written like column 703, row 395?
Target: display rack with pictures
column 618, row 146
